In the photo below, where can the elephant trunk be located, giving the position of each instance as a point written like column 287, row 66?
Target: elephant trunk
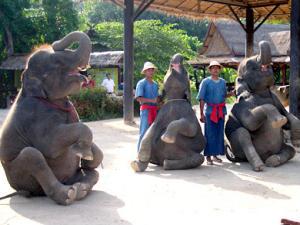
column 82, row 54
column 264, row 56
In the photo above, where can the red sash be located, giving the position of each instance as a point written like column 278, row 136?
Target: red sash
column 68, row 109
column 152, row 112
column 214, row 116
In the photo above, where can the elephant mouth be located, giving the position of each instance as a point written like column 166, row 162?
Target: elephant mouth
column 78, row 75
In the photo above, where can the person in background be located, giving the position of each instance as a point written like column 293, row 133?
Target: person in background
column 89, row 83
column 109, row 84
column 146, row 94
column 211, row 95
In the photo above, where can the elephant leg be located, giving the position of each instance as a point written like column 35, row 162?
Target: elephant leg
column 144, row 154
column 241, row 140
column 182, row 126
column 286, row 153
column 191, row 161
column 97, row 158
column 277, row 120
column 84, row 180
column 76, row 137
column 30, row 164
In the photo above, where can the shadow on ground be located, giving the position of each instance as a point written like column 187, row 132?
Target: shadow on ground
column 98, row 208
column 236, row 177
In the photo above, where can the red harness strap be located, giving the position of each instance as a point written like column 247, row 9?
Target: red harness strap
column 152, row 112
column 69, row 109
column 214, row 116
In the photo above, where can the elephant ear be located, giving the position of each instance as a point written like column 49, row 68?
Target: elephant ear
column 32, row 86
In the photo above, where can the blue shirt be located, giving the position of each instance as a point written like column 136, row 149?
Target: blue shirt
column 146, row 89
column 211, row 91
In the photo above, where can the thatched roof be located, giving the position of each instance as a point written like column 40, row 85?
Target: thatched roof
column 97, row 59
column 107, row 59
column 218, row 8
column 14, row 62
column 225, row 42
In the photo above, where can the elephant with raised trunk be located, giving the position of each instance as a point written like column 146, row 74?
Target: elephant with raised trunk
column 255, row 125
column 175, row 139
column 44, row 149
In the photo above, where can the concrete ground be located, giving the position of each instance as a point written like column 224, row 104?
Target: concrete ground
column 228, row 193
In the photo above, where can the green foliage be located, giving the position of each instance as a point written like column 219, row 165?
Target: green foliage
column 95, row 104
column 153, row 41
column 34, row 22
column 98, row 12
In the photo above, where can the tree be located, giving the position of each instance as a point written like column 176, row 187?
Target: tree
column 153, row 41
column 109, row 12
column 26, row 23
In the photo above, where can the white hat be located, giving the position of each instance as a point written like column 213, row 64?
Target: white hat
column 148, row 65
column 215, row 63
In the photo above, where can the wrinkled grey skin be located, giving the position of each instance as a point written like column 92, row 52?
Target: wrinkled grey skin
column 254, row 127
column 175, row 139
column 45, row 150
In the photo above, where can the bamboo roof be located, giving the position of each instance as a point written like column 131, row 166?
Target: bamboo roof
column 197, row 9
column 14, row 62
column 97, row 59
column 225, row 42
column 106, row 59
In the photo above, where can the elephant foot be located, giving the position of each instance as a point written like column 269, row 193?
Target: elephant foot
column 273, row 161
column 63, row 194
column 167, row 138
column 83, row 150
column 279, row 122
column 186, row 163
column 82, row 190
column 138, row 166
column 258, row 167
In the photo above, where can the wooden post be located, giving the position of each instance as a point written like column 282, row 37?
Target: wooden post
column 249, row 32
column 128, row 112
column 295, row 58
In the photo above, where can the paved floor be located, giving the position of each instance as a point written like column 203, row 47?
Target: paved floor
column 220, row 194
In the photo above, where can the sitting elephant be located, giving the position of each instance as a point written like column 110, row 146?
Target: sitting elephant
column 44, row 149
column 174, row 140
column 254, row 127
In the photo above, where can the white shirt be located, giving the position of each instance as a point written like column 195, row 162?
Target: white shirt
column 108, row 84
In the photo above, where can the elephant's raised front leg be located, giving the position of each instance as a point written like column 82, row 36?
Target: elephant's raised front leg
column 76, row 137
column 30, row 171
column 240, row 140
column 253, row 119
column 286, row 153
column 181, row 126
column 96, row 161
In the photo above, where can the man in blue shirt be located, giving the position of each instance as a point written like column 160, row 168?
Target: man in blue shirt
column 146, row 94
column 212, row 94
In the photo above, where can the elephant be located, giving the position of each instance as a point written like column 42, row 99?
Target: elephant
column 174, row 140
column 44, row 148
column 255, row 125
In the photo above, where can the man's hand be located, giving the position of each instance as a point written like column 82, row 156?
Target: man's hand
column 202, row 118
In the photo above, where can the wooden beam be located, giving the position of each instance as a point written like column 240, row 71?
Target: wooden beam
column 128, row 62
column 295, row 59
column 142, row 8
column 249, row 32
column 237, row 17
column 266, row 17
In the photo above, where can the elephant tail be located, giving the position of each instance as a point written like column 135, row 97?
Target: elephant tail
column 230, row 156
column 22, row 193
